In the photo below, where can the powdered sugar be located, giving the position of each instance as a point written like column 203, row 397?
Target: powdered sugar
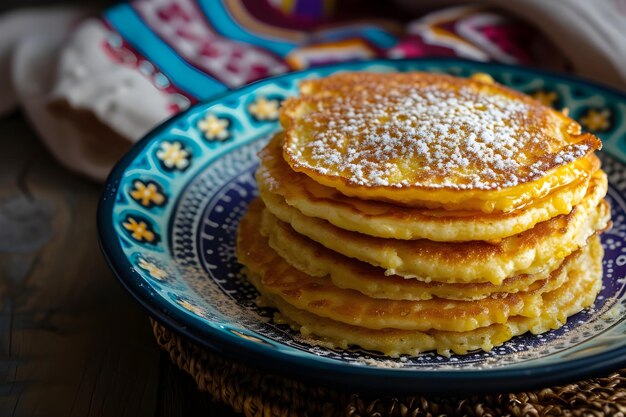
column 458, row 138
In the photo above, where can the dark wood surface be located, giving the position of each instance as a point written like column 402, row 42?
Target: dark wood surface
column 73, row 342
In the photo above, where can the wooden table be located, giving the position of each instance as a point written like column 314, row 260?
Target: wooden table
column 73, row 343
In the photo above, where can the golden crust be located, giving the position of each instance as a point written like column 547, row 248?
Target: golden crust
column 432, row 140
column 385, row 220
column 560, row 304
column 344, row 317
column 541, row 247
column 314, row 259
column 320, row 296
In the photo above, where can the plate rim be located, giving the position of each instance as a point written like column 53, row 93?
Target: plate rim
column 356, row 377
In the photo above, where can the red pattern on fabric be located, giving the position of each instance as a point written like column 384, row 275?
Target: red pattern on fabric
column 181, row 25
column 478, row 34
column 125, row 54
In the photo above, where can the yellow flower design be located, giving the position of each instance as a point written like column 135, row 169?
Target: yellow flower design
column 264, row 109
column 547, row 98
column 213, row 127
column 173, row 155
column 596, row 119
column 197, row 310
column 154, row 271
column 139, row 230
column 147, row 194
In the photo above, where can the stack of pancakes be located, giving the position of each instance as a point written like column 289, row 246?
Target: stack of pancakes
column 405, row 213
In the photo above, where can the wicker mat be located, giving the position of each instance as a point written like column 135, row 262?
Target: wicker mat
column 258, row 394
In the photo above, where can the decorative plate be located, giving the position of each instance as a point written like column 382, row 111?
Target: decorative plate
column 169, row 214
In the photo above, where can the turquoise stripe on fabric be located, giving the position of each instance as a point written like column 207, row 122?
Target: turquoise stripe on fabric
column 226, row 26
column 188, row 78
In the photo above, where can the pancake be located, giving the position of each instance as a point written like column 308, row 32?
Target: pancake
column 347, row 273
column 386, row 220
column 318, row 295
column 542, row 247
column 579, row 292
column 563, row 303
column 432, row 140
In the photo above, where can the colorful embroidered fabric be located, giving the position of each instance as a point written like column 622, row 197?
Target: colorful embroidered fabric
column 195, row 49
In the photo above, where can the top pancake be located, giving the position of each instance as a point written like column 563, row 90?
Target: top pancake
column 385, row 220
column 432, row 140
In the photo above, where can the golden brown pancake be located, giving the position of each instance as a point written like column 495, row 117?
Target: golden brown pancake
column 348, row 318
column 348, row 273
column 318, row 295
column 432, row 140
column 560, row 304
column 385, row 220
column 542, row 247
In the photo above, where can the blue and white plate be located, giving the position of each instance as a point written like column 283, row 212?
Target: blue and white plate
column 169, row 214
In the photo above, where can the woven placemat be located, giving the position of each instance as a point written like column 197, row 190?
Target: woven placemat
column 257, row 394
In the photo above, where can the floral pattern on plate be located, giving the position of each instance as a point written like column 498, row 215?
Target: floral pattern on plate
column 169, row 215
